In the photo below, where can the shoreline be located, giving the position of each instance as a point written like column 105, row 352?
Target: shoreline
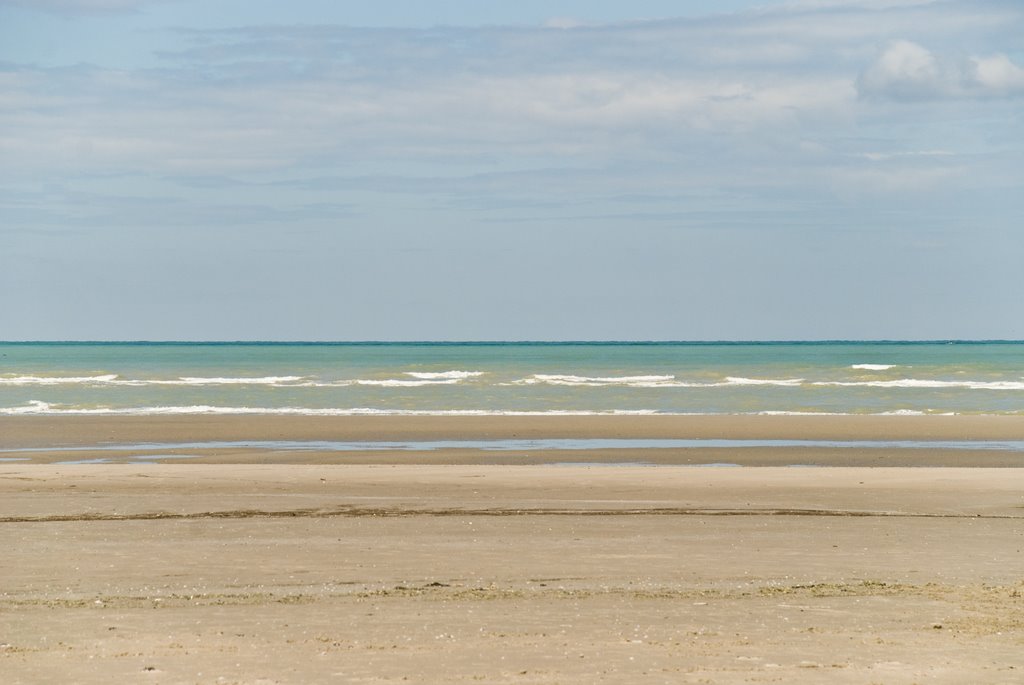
column 717, row 457
column 67, row 440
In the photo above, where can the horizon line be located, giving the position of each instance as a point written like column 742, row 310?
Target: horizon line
column 717, row 341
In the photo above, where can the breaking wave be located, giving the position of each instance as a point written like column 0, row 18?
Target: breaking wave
column 38, row 407
column 56, row 380
column 647, row 381
column 926, row 383
column 418, row 378
column 443, row 375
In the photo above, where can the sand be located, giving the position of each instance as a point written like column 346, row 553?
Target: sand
column 34, row 431
column 274, row 568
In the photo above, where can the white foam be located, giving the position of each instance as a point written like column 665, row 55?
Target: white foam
column 603, row 381
column 56, row 380
column 894, row 412
column 648, row 381
column 419, row 379
column 115, row 379
column 37, row 407
column 399, row 383
column 732, row 381
column 873, row 367
column 443, row 375
column 565, row 379
column 785, row 382
column 372, row 382
column 217, row 380
column 775, row 412
column 33, row 407
column 928, row 383
column 262, row 380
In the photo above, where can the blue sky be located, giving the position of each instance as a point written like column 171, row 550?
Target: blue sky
column 530, row 170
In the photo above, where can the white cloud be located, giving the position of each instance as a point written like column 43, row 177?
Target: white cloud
column 997, row 74
column 903, row 70
column 907, row 71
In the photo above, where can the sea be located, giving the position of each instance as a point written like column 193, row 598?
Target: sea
column 527, row 378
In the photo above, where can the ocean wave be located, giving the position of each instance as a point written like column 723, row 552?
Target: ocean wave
column 33, row 407
column 56, row 380
column 873, row 367
column 38, row 407
column 927, row 383
column 785, row 382
column 372, row 382
column 893, row 412
column 443, row 375
column 199, row 380
column 401, row 383
column 419, row 378
column 115, row 379
column 647, row 381
column 595, row 381
column 607, row 381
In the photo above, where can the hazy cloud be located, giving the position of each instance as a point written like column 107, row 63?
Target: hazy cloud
column 666, row 169
column 903, row 70
column 80, row 6
column 792, row 90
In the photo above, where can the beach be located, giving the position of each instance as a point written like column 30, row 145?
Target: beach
column 257, row 565
column 511, row 343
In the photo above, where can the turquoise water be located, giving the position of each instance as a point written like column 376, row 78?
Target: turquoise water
column 367, row 378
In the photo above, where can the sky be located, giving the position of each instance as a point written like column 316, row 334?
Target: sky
column 466, row 170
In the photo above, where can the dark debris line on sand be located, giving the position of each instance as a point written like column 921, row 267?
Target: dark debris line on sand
column 396, row 513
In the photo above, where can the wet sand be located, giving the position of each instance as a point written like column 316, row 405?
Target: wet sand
column 89, row 438
column 47, row 431
column 277, row 568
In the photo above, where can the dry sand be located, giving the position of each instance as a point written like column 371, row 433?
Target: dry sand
column 268, row 570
